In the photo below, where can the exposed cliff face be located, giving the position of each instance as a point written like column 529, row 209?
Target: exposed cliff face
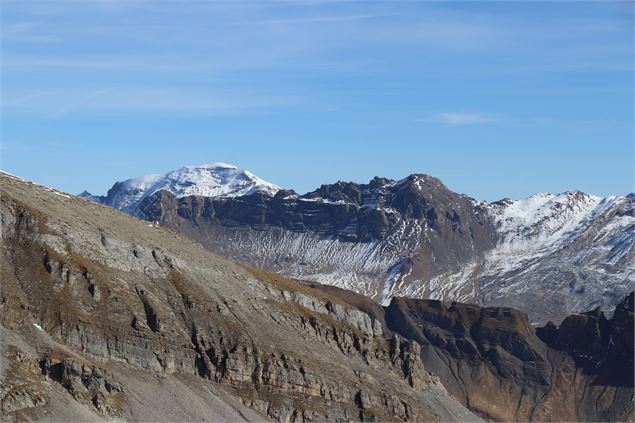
column 549, row 255
column 603, row 347
column 485, row 353
column 504, row 369
column 105, row 315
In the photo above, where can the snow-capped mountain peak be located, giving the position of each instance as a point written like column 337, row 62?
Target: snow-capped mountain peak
column 208, row 180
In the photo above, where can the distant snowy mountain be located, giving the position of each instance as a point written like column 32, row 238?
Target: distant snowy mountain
column 538, row 225
column 549, row 255
column 211, row 180
column 553, row 251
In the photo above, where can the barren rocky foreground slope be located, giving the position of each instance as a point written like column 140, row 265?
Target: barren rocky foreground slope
column 106, row 316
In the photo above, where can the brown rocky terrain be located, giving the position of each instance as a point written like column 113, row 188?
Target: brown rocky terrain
column 481, row 353
column 504, row 369
column 104, row 316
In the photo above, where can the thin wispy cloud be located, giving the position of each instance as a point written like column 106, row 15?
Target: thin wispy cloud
column 84, row 100
column 60, row 103
column 313, row 19
column 449, row 118
column 331, row 54
column 13, row 28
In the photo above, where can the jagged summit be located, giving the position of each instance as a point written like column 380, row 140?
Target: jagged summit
column 208, row 180
column 379, row 192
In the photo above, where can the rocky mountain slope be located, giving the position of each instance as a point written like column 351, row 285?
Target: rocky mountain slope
column 504, row 369
column 548, row 255
column 107, row 316
column 581, row 371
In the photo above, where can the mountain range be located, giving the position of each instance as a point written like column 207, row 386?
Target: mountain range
column 108, row 317
column 548, row 255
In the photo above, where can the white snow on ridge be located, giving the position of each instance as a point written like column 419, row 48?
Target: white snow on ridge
column 567, row 208
column 210, row 180
column 542, row 219
column 11, row 175
column 570, row 245
column 539, row 225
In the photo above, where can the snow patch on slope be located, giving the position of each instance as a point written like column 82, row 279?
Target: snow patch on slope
column 537, row 226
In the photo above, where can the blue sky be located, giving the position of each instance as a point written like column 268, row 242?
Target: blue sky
column 498, row 99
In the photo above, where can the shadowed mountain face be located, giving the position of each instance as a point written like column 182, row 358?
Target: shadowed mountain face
column 549, row 255
column 105, row 316
column 504, row 369
column 582, row 371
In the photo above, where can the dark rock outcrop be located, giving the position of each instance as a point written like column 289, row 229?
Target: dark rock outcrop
column 345, row 210
column 601, row 346
column 580, row 371
column 87, row 383
column 505, row 369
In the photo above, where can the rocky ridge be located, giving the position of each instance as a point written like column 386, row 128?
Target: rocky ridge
column 548, row 255
column 581, row 370
column 485, row 353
